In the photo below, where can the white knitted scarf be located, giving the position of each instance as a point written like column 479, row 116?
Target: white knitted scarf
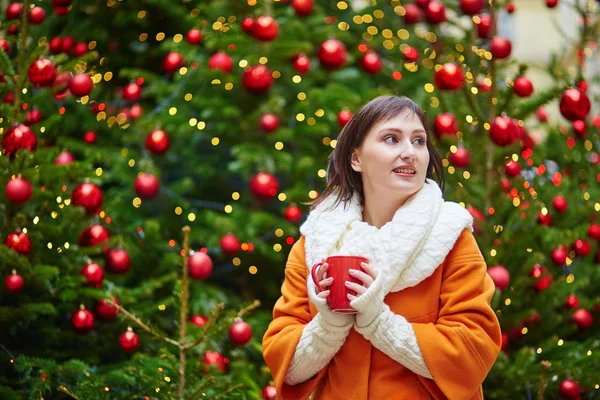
column 406, row 250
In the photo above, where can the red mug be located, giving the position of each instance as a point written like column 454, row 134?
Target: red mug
column 339, row 267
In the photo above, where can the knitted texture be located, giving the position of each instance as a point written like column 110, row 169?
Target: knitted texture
column 369, row 304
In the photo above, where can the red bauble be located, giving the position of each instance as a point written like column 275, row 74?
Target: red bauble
column 83, row 321
column 449, row 77
column 344, row 117
column 93, row 273
column 292, row 214
column 135, row 111
column 503, row 131
column 461, row 158
column 264, row 186
column 198, row 320
column 560, row 204
column 545, row 219
column 302, row 64
column 93, row 235
column 512, row 169
column 505, row 341
column 61, row 11
column 445, row 124
column 61, row 83
column 523, row 87
column 435, row 13
column 413, row 14
column 247, row 25
column 18, row 137
column 471, row 7
column 583, row 318
column 257, row 79
column 81, row 85
column 19, row 242
column 89, row 196
column 80, row 49
column 594, row 231
column 551, row 3
column 89, row 137
column 505, row 184
column 221, row 61
column 303, row 8
column 62, row 3
column 229, row 244
column 13, row 30
column 129, row 341
column 572, row 302
column 579, row 128
column 541, row 114
column 146, row 186
column 41, row 73
column 37, row 15
column 157, row 142
column 105, row 310
column 269, row 123
column 265, row 29
column 510, row 8
column 422, row 3
column 194, row 36
column 215, row 359
column 4, row 45
column 574, row 105
column 500, row 276
column 410, row 54
column 371, row 63
column 582, row 248
column 569, row 390
column 500, row 47
column 483, row 27
column 332, row 54
column 14, row 283
column 14, row 10
column 172, row 62
column 132, row 92
column 18, row 191
column 118, row 261
column 269, row 393
column 200, row 265
column 559, row 256
column 240, row 333
column 9, row 98
column 542, row 277
column 33, row 117
column 477, row 216
column 66, row 44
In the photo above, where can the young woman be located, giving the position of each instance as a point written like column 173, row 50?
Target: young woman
column 424, row 327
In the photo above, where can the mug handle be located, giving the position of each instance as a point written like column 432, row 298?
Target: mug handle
column 313, row 272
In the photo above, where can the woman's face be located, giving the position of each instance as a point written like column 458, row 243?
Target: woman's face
column 389, row 145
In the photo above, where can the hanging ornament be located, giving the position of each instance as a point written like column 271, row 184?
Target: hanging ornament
column 105, row 310
column 198, row 320
column 264, row 186
column 61, row 85
column 512, row 169
column 541, row 114
column 579, row 128
column 54, row 45
column 500, row 47
column 582, row 248
column 200, row 265
column 61, row 11
column 445, row 124
column 172, row 62
column 435, row 13
column 449, row 77
column 344, row 117
column 194, row 36
column 505, row 184
column 89, row 196
column 221, row 61
column 14, row 11
column 301, row 64
column 523, row 87
column 89, row 137
column 132, row 92
column 19, row 242
column 542, row 276
column 118, row 261
column 93, row 236
column 371, row 63
column 471, row 7
column 422, row 4
column 460, row 158
column 80, row 49
column 129, row 341
column 594, row 231
column 551, row 3
column 483, row 26
column 257, row 79
column 269, row 123
column 505, row 342
column 240, row 333
column 269, row 393
column 545, row 219
column 292, row 214
column 503, row 131
column 66, row 44
column 215, row 359
column 559, row 256
column 146, row 186
column 583, row 318
column 265, row 29
column 410, row 53
column 83, row 321
column 18, row 137
column 560, row 204
column 229, row 244
column 18, row 191
column 81, row 85
column 572, row 302
column 33, row 117
column 332, row 54
column 14, row 283
column 93, row 274
column 510, row 8
column 41, row 73
column 413, row 14
column 247, row 25
column 4, row 45
column 157, row 142
column 477, row 216
column 574, row 105
column 303, row 8
column 500, row 276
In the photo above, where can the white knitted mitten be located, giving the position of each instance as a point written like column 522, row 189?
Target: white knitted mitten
column 370, row 304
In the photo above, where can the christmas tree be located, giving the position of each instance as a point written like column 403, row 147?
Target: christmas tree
column 178, row 141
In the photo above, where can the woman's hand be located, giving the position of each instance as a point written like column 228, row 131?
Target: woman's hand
column 367, row 278
column 319, row 299
column 368, row 300
column 324, row 281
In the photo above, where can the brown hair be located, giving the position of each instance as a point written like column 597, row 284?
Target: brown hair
column 342, row 180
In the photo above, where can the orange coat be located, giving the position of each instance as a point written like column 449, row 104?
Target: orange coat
column 456, row 329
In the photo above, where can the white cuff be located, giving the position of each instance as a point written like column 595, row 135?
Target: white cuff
column 369, row 304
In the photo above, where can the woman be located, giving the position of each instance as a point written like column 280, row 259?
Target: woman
column 424, row 327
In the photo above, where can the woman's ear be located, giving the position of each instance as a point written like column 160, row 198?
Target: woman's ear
column 355, row 161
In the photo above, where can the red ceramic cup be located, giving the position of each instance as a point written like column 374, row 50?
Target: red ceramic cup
column 339, row 267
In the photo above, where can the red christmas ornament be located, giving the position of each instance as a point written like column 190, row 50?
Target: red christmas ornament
column 33, row 117
column 89, row 137
column 505, row 184
column 62, row 3
column 269, row 393
column 500, row 276
column 18, row 137
column 89, row 196
column 81, row 85
column 435, row 13
column 551, row 3
column 303, row 8
column 332, row 54
column 445, row 124
column 410, row 53
column 582, row 248
column 449, row 77
column 157, row 142
column 215, row 359
column 14, row 10
column 37, row 15
column 503, row 131
column 512, row 169
column 105, row 310
column 18, row 191
column 93, row 273
column 83, row 321
column 229, row 244
column 500, row 47
column 413, row 14
column 13, row 30
column 559, row 256
column 194, row 36
column 269, row 123
column 9, row 98
column 19, row 242
column 344, row 117
column 594, row 231
column 422, row 4
column 4, row 45
column 80, row 49
column 265, row 29
column 172, row 62
column 198, row 320
column 132, row 92
column 64, row 158
column 240, row 333
column 264, row 186
column 477, row 216
column 129, row 341
column 461, row 158
column 247, row 25
column 544, row 219
column 583, row 318
column 371, row 63
column 41, row 73
column 572, row 302
column 510, row 8
column 93, row 235
column 61, row 11
column 574, row 105
column 471, row 7
column 292, row 214
column 221, row 61
column 200, row 265
column 505, row 341
column 523, row 87
column 541, row 114
column 54, row 45
column 62, row 83
column 542, row 277
column 14, row 283
column 66, row 44
column 146, row 186
column 302, row 64
column 135, row 112
column 257, row 79
column 118, row 261
column 483, row 26
column 579, row 128
column 560, row 204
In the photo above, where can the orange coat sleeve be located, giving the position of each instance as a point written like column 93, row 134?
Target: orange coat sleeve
column 462, row 346
column 290, row 314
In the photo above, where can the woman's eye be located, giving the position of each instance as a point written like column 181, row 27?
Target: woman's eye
column 389, row 137
column 420, row 140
